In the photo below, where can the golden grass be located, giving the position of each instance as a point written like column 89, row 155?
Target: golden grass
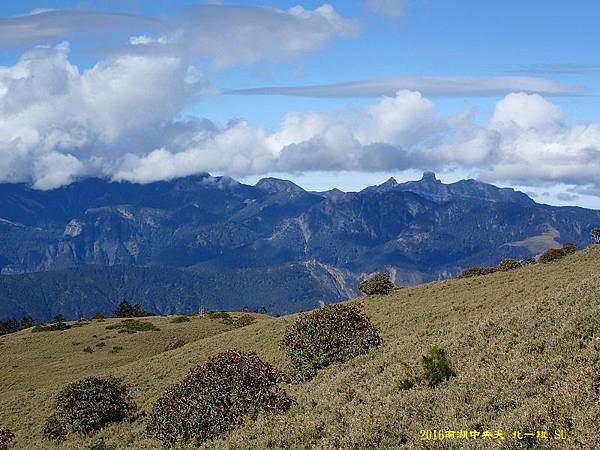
column 525, row 346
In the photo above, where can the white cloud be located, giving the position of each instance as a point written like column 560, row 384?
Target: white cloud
column 233, row 35
column 44, row 25
column 427, row 85
column 54, row 117
column 526, row 141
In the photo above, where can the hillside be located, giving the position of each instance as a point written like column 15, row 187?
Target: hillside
column 524, row 345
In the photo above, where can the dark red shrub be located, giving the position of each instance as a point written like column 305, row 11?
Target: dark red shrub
column 216, row 397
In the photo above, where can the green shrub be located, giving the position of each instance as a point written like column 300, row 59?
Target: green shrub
column 101, row 344
column 553, row 254
column 405, row 384
column 332, row 334
column 175, row 344
column 6, row 437
column 527, row 260
column 595, row 235
column 476, row 271
column 569, row 248
column 124, row 309
column 243, row 320
column 54, row 429
column 378, row 284
column 98, row 316
column 216, row 397
column 220, row 315
column 436, row 365
column 116, row 349
column 88, row 350
column 53, row 326
column 132, row 326
column 88, row 405
column 508, row 264
column 180, row 319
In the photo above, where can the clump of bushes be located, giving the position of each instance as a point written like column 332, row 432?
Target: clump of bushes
column 569, row 248
column 57, row 326
column 436, row 366
column 243, row 320
column 476, row 271
column 508, row 264
column 527, row 260
column 595, row 235
column 132, row 326
column 378, row 284
column 331, row 334
column 216, row 397
column 436, row 369
column 6, row 437
column 174, row 345
column 124, row 309
column 88, row 350
column 219, row 315
column 552, row 254
column 89, row 405
column 180, row 319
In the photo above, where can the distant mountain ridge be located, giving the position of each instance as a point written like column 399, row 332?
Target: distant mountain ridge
column 419, row 230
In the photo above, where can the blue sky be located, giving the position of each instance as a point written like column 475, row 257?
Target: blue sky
column 514, row 100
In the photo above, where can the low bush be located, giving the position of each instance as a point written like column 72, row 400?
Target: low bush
column 180, row 319
column 243, row 320
column 595, row 235
column 124, row 309
column 569, row 248
column 527, row 260
column 436, row 366
column 476, row 271
column 174, row 345
column 132, row 326
column 378, row 284
column 88, row 350
column 219, row 315
column 553, row 254
column 116, row 349
column 54, row 326
column 217, row 397
column 6, row 437
column 405, row 384
column 331, row 334
column 54, row 429
column 508, row 264
column 89, row 405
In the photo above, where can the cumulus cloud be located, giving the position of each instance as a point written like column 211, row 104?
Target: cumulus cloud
column 526, row 142
column 426, row 85
column 53, row 117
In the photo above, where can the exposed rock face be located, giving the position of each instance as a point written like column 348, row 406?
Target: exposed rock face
column 422, row 230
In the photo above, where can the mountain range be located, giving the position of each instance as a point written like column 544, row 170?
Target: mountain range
column 212, row 242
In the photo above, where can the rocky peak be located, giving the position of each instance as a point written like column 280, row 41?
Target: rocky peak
column 275, row 185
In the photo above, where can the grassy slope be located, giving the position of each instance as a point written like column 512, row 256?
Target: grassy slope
column 524, row 344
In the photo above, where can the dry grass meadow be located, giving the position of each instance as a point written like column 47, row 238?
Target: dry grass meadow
column 525, row 346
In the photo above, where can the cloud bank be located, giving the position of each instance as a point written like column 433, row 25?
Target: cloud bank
column 121, row 118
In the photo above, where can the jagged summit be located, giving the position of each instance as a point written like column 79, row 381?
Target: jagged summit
column 429, row 177
column 275, row 185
